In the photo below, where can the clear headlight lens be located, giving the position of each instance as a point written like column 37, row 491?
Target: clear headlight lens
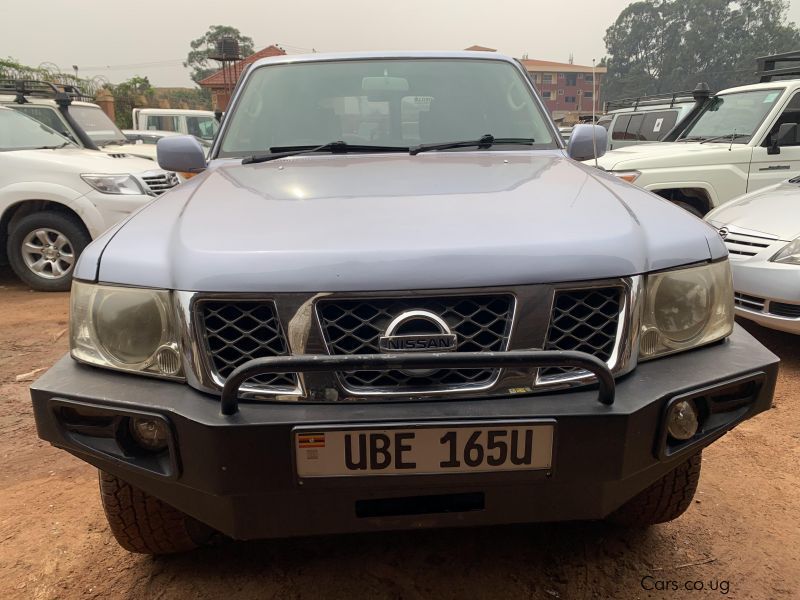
column 629, row 176
column 686, row 308
column 124, row 328
column 113, row 184
column 789, row 254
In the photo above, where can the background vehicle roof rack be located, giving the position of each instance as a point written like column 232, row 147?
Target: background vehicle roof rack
column 779, row 66
column 35, row 88
column 645, row 101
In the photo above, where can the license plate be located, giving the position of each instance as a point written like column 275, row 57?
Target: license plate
column 414, row 449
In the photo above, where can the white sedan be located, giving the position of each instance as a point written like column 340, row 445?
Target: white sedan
column 762, row 232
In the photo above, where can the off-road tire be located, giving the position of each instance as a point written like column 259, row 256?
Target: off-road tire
column 67, row 225
column 665, row 500
column 142, row 523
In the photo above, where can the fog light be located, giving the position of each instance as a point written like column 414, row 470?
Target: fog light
column 682, row 420
column 150, row 433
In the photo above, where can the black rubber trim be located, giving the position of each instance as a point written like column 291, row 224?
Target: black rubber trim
column 440, row 360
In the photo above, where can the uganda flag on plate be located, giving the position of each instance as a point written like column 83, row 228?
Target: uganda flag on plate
column 311, row 440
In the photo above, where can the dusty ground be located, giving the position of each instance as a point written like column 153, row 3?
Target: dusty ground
column 742, row 535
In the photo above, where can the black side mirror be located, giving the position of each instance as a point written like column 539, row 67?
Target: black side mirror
column 786, row 136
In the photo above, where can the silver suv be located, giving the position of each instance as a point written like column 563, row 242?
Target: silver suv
column 392, row 299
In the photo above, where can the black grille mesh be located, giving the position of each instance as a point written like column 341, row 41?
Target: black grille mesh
column 238, row 331
column 481, row 323
column 584, row 321
column 782, row 309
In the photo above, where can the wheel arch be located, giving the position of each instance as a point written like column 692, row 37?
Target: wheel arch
column 699, row 196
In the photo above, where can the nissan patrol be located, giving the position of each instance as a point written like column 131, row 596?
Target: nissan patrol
column 393, row 299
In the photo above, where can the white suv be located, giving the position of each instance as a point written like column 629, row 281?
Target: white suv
column 55, row 197
column 744, row 139
column 66, row 110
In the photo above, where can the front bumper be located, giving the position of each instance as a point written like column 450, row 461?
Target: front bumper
column 765, row 289
column 236, row 473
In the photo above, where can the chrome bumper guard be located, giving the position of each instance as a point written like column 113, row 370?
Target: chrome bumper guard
column 440, row 360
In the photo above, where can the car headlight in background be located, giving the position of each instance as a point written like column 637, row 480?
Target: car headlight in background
column 113, row 184
column 789, row 254
column 686, row 308
column 629, row 176
column 128, row 329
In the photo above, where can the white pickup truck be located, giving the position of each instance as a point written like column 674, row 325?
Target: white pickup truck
column 745, row 138
column 200, row 123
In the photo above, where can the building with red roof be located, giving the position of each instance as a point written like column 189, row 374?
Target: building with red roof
column 221, row 83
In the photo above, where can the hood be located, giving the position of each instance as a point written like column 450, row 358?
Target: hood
column 665, row 155
column 774, row 210
column 79, row 160
column 394, row 222
column 147, row 151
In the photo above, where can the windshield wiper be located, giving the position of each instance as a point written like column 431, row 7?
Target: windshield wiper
column 691, row 138
column 339, row 147
column 484, row 142
column 727, row 136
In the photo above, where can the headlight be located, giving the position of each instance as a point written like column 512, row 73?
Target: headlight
column 113, row 184
column 629, row 176
column 789, row 255
column 686, row 308
column 124, row 328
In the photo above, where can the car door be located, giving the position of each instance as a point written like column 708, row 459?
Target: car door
column 767, row 169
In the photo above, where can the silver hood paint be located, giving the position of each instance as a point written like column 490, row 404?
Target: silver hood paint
column 774, row 210
column 395, row 222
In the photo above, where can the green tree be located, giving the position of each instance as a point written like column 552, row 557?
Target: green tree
column 130, row 94
column 668, row 45
column 197, row 59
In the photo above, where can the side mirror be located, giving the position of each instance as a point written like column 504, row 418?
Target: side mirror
column 181, row 153
column 584, row 140
column 786, row 136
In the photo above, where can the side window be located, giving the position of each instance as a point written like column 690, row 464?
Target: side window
column 620, row 127
column 790, row 114
column 633, row 128
column 657, row 124
column 162, row 123
column 45, row 115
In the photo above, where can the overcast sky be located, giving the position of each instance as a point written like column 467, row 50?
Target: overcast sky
column 151, row 37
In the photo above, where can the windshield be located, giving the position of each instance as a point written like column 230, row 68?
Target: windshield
column 740, row 113
column 396, row 103
column 96, row 124
column 19, row 132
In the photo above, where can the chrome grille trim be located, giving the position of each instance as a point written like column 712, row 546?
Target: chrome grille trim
column 745, row 243
column 482, row 322
column 158, row 183
column 297, row 314
column 621, row 359
column 202, row 372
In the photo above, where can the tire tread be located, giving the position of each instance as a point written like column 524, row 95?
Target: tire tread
column 665, row 500
column 142, row 523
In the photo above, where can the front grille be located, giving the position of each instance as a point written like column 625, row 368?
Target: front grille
column 740, row 244
column 160, row 183
column 584, row 320
column 783, row 309
column 481, row 323
column 748, row 302
column 238, row 331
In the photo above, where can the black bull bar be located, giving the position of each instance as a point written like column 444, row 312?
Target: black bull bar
column 427, row 360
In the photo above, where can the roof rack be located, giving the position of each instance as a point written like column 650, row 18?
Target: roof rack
column 35, row 88
column 779, row 66
column 635, row 103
